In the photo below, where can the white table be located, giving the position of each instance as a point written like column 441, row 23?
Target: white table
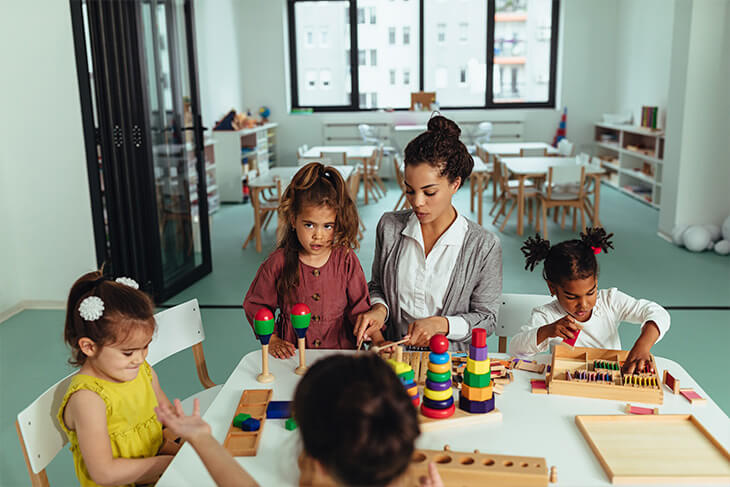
column 507, row 149
column 267, row 180
column 537, row 167
column 533, row 425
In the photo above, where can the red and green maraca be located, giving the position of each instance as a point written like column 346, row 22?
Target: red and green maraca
column 263, row 325
column 300, row 318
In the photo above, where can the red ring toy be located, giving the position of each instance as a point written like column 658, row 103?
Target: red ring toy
column 438, row 413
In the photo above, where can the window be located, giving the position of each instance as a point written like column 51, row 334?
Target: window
column 483, row 54
column 463, row 31
column 325, row 78
column 441, row 33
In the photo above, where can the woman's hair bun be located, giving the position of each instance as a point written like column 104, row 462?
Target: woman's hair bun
column 444, row 126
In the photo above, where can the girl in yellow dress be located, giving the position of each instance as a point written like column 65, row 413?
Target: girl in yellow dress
column 108, row 410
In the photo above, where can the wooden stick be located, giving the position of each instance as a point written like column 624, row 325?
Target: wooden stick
column 302, row 363
column 377, row 349
column 265, row 376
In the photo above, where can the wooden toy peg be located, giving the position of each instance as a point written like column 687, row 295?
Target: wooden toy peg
column 671, row 382
column 399, row 353
column 300, row 318
column 263, row 325
column 553, row 474
column 265, row 375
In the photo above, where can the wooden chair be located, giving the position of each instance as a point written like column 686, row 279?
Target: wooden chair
column 353, row 186
column 509, row 191
column 514, row 313
column 401, row 184
column 481, row 177
column 40, row 435
column 266, row 208
column 334, row 158
column 373, row 170
column 556, row 195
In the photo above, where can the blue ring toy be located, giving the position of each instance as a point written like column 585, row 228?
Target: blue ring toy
column 438, row 358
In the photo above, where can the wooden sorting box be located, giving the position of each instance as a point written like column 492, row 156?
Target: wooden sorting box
column 245, row 443
column 567, row 359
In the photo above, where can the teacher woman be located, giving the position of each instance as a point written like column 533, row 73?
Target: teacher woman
column 434, row 271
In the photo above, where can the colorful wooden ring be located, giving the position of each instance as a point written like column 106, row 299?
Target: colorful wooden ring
column 439, row 358
column 438, row 386
column 438, row 395
column 446, row 403
column 443, row 377
column 439, row 368
column 438, row 413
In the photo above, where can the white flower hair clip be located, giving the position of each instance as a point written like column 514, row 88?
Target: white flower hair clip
column 127, row 281
column 91, row 308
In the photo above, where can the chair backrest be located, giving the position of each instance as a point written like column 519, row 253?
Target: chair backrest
column 515, row 312
column 369, row 134
column 40, row 435
column 334, row 157
column 301, row 150
column 533, row 152
column 582, row 158
column 180, row 328
column 483, row 133
column 377, row 158
column 398, row 171
column 482, row 154
column 565, row 147
column 566, row 175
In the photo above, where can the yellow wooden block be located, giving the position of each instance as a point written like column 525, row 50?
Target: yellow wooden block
column 438, row 395
column 477, row 393
column 399, row 367
column 478, row 368
column 439, row 368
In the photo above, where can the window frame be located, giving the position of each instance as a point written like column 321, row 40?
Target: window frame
column 489, row 102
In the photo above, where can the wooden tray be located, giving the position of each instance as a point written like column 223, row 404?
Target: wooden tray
column 246, row 443
column 658, row 449
column 458, row 419
column 579, row 358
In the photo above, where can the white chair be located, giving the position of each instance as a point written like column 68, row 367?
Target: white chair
column 40, row 435
column 301, row 150
column 481, row 136
column 514, row 313
column 565, row 148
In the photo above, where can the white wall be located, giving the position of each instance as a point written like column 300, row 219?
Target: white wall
column 643, row 54
column 46, row 216
column 696, row 168
column 218, row 37
column 587, row 88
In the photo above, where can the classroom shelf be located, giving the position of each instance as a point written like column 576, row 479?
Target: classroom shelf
column 635, row 155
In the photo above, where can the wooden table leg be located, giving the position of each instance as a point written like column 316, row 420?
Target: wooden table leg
column 520, row 204
column 255, row 192
column 596, row 200
column 366, row 179
column 480, row 189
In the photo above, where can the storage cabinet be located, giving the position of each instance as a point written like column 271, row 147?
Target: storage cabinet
column 634, row 159
column 242, row 154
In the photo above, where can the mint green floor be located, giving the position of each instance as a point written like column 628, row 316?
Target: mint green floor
column 32, row 354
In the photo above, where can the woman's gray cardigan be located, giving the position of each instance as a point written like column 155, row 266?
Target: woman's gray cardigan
column 475, row 287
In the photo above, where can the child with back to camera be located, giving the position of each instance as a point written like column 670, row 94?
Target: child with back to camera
column 571, row 273
column 108, row 409
column 357, row 427
column 314, row 264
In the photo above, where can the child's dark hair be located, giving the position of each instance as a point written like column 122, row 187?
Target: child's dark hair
column 125, row 309
column 440, row 147
column 356, row 419
column 569, row 260
column 313, row 185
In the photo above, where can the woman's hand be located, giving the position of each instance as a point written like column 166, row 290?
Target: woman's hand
column 186, row 427
column 422, row 330
column 369, row 324
column 280, row 348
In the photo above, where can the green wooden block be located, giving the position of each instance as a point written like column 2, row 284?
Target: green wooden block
column 290, row 424
column 438, row 377
column 239, row 419
column 474, row 380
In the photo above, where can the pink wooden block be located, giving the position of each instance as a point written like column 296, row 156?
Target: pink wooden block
column 692, row 396
column 571, row 341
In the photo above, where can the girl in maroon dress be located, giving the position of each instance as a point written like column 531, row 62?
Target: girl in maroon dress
column 314, row 264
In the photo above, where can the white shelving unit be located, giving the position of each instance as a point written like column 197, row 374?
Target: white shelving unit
column 242, row 154
column 634, row 159
column 214, row 200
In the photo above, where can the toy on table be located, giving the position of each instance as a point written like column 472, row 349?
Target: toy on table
column 597, row 373
column 263, row 325
column 538, row 386
column 244, row 434
column 290, row 424
column 406, row 375
column 438, row 396
column 638, row 410
column 671, row 382
column 476, row 394
column 692, row 396
column 300, row 317
column 278, row 410
column 571, row 341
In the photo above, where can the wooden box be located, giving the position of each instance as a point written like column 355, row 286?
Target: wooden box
column 245, row 443
column 643, row 387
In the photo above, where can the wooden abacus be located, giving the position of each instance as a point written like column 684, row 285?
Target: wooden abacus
column 246, row 443
column 595, row 372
